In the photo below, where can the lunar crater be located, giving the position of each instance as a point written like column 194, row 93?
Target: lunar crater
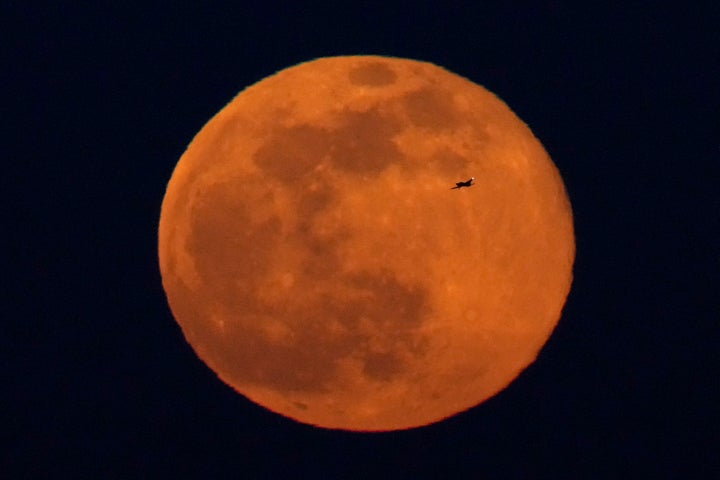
column 431, row 108
column 373, row 74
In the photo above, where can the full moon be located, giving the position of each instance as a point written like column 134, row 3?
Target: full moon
column 318, row 261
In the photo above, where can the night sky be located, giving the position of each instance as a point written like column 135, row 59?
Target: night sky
column 101, row 102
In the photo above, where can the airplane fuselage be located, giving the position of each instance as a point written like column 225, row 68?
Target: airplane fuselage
column 463, row 184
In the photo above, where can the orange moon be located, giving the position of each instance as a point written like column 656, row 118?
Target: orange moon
column 318, row 262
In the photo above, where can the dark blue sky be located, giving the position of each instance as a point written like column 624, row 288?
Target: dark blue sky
column 102, row 101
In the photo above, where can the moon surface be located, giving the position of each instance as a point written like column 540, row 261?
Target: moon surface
column 318, row 262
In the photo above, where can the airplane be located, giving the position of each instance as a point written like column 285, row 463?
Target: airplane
column 469, row 183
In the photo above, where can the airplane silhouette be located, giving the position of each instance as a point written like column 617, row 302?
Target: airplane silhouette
column 469, row 183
